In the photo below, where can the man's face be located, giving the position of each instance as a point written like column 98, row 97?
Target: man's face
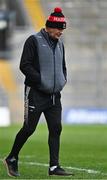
column 54, row 32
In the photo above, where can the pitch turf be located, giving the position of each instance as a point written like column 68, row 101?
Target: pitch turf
column 83, row 151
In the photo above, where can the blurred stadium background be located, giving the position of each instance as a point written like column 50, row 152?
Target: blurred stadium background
column 85, row 95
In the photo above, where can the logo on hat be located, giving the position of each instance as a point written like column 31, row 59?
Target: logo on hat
column 64, row 25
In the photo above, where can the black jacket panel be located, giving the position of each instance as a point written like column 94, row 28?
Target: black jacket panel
column 29, row 64
column 64, row 64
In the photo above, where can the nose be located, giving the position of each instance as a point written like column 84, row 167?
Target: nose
column 61, row 31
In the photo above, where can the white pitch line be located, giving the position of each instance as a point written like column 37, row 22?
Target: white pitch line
column 89, row 171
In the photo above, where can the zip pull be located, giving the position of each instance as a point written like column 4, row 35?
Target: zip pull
column 53, row 99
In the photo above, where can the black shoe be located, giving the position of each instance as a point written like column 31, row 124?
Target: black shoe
column 59, row 172
column 12, row 167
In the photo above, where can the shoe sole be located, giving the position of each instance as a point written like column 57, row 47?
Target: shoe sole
column 61, row 174
column 9, row 174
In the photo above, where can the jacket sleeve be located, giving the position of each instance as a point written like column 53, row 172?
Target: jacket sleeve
column 27, row 61
column 64, row 64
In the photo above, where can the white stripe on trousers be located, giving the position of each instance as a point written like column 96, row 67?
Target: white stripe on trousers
column 26, row 104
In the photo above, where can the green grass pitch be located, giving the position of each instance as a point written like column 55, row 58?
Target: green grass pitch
column 83, row 151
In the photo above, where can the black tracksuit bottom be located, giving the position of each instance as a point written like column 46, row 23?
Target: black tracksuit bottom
column 37, row 102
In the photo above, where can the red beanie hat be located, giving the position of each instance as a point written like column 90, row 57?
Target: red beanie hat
column 56, row 19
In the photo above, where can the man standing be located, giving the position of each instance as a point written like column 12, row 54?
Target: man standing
column 43, row 64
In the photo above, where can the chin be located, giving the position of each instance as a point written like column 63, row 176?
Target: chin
column 57, row 37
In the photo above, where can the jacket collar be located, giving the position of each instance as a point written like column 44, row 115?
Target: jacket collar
column 52, row 42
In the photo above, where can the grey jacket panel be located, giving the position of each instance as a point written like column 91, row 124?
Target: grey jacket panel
column 60, row 78
column 51, row 65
